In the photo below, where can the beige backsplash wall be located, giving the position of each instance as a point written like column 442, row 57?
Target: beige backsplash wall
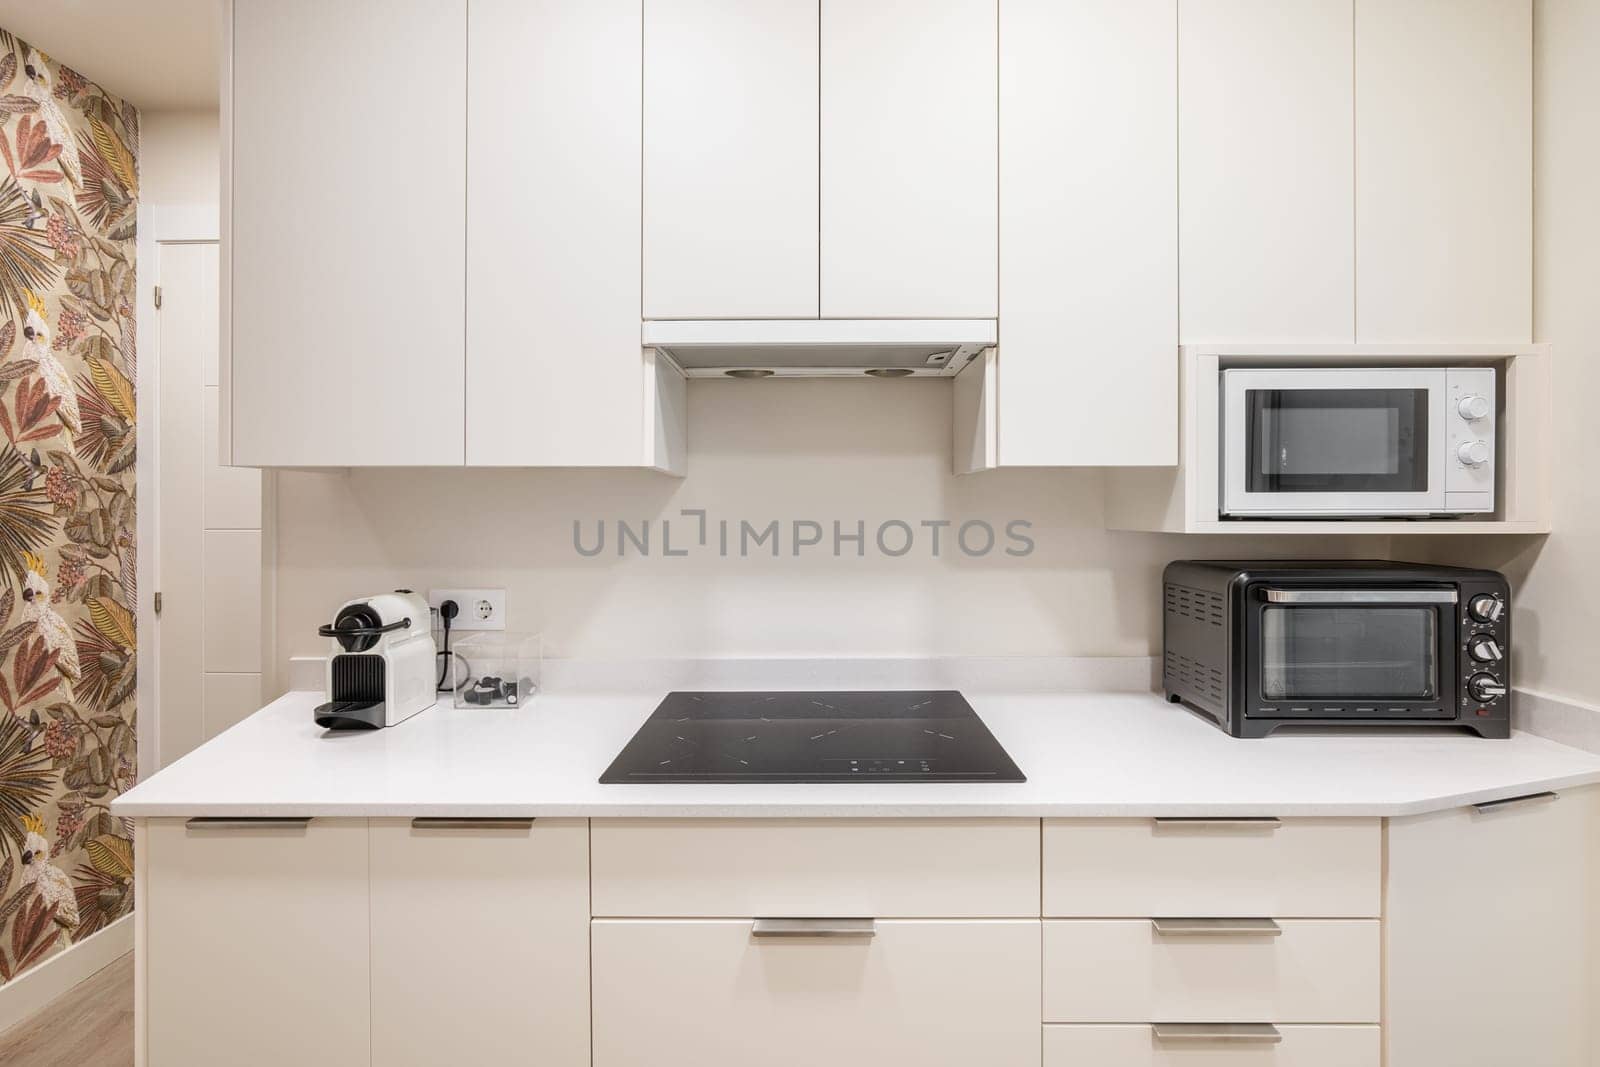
column 786, row 450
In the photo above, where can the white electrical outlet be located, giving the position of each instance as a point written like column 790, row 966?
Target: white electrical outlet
column 480, row 609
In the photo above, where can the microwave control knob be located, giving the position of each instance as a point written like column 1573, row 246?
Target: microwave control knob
column 1473, row 453
column 1473, row 407
column 1486, row 607
column 1485, row 687
column 1485, row 650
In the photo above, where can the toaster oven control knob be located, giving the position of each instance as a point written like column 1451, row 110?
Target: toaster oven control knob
column 1473, row 407
column 1473, row 453
column 1485, row 650
column 1485, row 687
column 1486, row 607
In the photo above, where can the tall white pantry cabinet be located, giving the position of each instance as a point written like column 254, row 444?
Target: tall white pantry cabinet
column 444, row 221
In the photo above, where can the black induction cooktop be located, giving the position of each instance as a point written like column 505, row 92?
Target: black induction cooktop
column 814, row 737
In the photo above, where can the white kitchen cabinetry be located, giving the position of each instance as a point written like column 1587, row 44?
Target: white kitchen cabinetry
column 1140, row 1046
column 555, row 374
column 343, row 242
column 1444, row 175
column 1489, row 934
column 909, row 220
column 1304, row 868
column 676, row 993
column 480, row 942
column 1088, row 363
column 472, row 293
column 1266, row 198
column 1246, row 971
column 256, row 945
column 730, row 159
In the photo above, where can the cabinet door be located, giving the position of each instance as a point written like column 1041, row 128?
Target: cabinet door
column 1088, row 360
column 256, row 944
column 1488, row 933
column 689, row 993
column 730, row 159
column 347, row 190
column 1444, row 170
column 555, row 374
column 909, row 149
column 1266, row 151
column 480, row 943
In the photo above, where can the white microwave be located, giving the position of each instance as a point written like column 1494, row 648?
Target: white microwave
column 1358, row 441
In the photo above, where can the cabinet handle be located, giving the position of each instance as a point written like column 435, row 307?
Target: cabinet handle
column 471, row 824
column 1489, row 806
column 1232, row 1033
column 208, row 822
column 861, row 928
column 1268, row 824
column 1210, row 927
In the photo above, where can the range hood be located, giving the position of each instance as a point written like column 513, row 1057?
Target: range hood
column 819, row 348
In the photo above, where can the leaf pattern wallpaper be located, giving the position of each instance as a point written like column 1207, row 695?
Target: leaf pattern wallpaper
column 67, row 594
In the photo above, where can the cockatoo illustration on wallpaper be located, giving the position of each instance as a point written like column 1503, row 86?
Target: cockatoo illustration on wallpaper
column 36, row 346
column 54, row 887
column 51, row 627
column 37, row 86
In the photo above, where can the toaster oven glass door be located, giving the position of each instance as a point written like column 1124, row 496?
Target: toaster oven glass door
column 1333, row 441
column 1356, row 653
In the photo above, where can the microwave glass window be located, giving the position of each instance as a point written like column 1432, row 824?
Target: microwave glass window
column 1337, row 440
column 1348, row 653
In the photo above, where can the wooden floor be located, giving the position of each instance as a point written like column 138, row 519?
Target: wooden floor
column 91, row 1025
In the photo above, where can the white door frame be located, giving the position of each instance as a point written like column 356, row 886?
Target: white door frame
column 158, row 225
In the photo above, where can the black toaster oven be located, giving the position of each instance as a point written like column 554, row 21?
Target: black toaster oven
column 1258, row 645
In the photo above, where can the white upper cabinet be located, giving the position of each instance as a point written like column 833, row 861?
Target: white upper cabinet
column 555, row 374
column 344, row 231
column 1266, row 198
column 1088, row 358
column 1444, row 176
column 730, row 159
column 909, row 143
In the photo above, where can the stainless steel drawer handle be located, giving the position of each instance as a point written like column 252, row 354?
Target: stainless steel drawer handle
column 207, row 822
column 1230, row 1033
column 1267, row 824
column 471, row 824
column 1216, row 927
column 1361, row 596
column 1489, row 806
column 857, row 928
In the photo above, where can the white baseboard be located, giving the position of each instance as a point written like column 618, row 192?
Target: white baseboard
column 38, row 986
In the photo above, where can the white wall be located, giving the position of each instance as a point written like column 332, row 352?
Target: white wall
column 788, row 450
column 178, row 157
column 1557, row 579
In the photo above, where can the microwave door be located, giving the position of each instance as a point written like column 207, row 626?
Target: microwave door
column 1333, row 442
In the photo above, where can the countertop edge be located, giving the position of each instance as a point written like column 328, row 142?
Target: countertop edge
column 834, row 810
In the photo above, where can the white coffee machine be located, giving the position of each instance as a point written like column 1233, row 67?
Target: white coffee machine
column 381, row 664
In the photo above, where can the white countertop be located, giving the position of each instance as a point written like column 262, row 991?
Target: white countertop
column 1085, row 754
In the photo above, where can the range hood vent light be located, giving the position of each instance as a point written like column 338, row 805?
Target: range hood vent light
column 820, row 348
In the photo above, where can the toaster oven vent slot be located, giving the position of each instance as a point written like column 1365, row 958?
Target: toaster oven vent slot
column 357, row 678
column 1197, row 605
column 1188, row 675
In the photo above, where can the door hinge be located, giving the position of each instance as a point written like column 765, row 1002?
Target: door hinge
column 158, row 603
column 158, row 296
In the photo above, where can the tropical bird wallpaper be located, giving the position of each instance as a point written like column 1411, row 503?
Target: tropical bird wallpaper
column 67, row 589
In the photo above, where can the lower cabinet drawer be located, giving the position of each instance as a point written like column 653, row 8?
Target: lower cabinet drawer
column 708, row 992
column 1125, row 970
column 1138, row 1046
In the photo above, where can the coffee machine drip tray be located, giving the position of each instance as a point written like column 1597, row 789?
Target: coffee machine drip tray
column 871, row 736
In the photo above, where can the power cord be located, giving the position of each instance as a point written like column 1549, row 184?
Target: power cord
column 447, row 611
